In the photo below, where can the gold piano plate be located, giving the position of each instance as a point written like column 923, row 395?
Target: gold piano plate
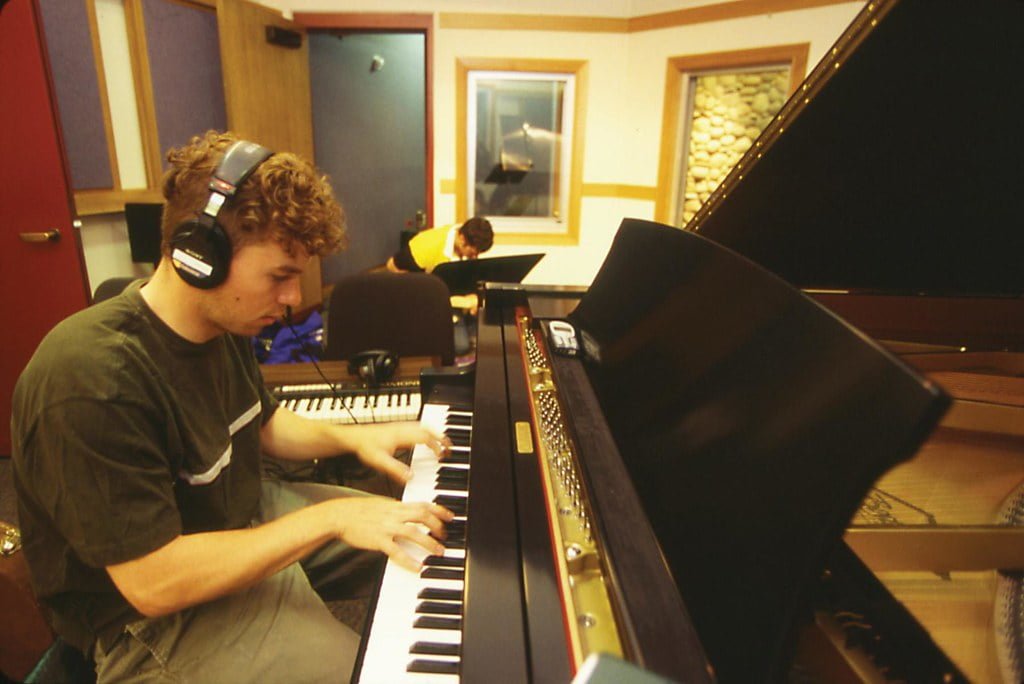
column 590, row 619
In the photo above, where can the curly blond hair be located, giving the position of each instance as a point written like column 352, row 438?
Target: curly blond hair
column 286, row 199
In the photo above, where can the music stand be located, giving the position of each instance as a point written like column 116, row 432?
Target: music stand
column 461, row 277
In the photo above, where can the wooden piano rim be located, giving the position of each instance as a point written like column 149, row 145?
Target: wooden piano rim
column 940, row 548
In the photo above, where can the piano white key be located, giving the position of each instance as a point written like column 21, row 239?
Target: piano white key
column 392, row 630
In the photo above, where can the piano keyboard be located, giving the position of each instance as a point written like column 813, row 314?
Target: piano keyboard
column 347, row 405
column 415, row 633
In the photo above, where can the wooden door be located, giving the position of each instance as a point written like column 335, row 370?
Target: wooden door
column 266, row 92
column 41, row 282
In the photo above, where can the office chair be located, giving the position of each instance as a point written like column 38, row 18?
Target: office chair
column 111, row 287
column 408, row 314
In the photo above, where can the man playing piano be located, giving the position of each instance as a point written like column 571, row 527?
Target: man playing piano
column 138, row 428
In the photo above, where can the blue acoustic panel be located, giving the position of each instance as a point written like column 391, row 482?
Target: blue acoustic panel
column 69, row 44
column 184, row 63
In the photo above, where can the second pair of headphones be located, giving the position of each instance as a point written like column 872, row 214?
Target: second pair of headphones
column 373, row 367
column 200, row 248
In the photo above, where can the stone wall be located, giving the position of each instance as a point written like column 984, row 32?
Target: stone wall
column 729, row 111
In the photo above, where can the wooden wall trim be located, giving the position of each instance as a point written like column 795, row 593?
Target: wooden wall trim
column 91, row 202
column 532, row 22
column 736, row 9
column 144, row 91
column 620, row 191
column 647, row 193
column 101, row 82
column 795, row 55
column 363, row 21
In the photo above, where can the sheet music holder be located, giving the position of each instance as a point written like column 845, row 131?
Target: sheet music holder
column 461, row 277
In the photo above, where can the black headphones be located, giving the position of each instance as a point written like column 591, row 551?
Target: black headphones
column 200, row 249
column 374, row 366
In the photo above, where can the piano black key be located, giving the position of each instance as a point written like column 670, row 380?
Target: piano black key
column 456, row 507
column 457, row 456
column 455, row 543
column 453, row 484
column 433, row 666
column 458, row 437
column 450, row 499
column 439, row 608
column 439, row 594
column 443, row 573
column 451, row 471
column 444, row 562
column 458, row 420
column 433, row 622
column 434, row 648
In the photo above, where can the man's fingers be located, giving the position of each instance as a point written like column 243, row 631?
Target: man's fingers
column 416, row 535
column 430, row 515
column 397, row 554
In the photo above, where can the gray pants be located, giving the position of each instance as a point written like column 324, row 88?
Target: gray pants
column 277, row 631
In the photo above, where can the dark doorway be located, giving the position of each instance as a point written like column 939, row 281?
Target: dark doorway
column 370, row 136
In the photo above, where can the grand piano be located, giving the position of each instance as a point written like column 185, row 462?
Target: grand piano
column 786, row 443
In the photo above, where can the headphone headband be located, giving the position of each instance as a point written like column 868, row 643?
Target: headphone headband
column 200, row 248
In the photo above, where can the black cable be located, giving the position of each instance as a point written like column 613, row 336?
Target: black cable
column 334, row 392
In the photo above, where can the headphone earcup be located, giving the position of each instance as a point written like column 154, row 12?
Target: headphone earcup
column 373, row 367
column 386, row 365
column 201, row 253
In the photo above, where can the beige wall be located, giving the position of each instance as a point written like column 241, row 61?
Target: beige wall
column 626, row 82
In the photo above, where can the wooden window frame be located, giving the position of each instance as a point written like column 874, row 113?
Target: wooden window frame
column 578, row 68
column 678, row 69
column 106, row 201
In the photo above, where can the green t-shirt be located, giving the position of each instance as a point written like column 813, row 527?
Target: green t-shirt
column 124, row 436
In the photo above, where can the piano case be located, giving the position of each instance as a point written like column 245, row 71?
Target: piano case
column 752, row 422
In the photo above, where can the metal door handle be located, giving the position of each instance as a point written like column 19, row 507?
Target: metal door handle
column 52, row 235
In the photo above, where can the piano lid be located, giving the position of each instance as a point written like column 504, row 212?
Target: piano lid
column 752, row 422
column 898, row 166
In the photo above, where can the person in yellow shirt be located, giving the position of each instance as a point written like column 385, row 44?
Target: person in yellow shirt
column 439, row 245
column 429, row 248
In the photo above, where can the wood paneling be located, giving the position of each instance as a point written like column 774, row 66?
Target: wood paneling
column 266, row 86
column 267, row 92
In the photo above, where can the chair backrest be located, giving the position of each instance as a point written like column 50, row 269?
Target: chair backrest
column 111, row 287
column 408, row 314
